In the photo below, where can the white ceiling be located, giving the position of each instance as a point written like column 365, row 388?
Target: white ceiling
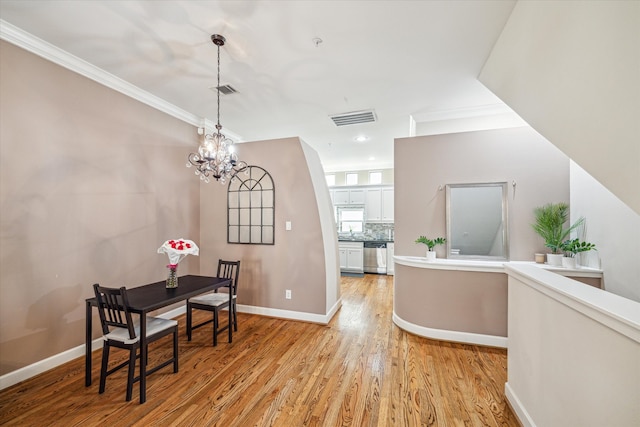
column 402, row 59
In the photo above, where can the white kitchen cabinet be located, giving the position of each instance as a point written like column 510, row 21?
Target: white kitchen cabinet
column 387, row 204
column 343, row 257
column 379, row 204
column 351, row 257
column 373, row 204
column 346, row 196
column 390, row 264
column 341, row 197
column 356, row 197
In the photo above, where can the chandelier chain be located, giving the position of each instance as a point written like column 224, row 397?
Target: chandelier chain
column 215, row 156
column 218, row 89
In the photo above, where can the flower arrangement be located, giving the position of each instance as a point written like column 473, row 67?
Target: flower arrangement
column 176, row 250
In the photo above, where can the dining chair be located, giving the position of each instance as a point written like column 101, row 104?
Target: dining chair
column 216, row 301
column 121, row 330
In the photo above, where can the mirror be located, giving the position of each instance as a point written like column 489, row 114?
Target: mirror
column 477, row 224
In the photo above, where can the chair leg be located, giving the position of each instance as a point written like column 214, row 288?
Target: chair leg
column 215, row 328
column 131, row 371
column 175, row 350
column 188, row 321
column 230, row 324
column 235, row 317
column 103, row 367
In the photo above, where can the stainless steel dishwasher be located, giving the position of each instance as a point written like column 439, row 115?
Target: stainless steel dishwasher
column 375, row 257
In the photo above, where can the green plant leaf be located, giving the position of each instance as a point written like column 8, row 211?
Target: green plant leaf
column 431, row 243
column 550, row 220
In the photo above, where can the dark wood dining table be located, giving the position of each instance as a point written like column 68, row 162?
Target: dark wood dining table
column 147, row 298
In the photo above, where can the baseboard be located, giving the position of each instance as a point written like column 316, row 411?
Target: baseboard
column 14, row 377
column 333, row 310
column 519, row 409
column 322, row 319
column 347, row 274
column 446, row 335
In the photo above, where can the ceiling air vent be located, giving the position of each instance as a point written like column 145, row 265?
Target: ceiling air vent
column 354, row 118
column 224, row 89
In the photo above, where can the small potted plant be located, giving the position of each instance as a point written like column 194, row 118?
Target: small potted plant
column 573, row 247
column 550, row 220
column 431, row 243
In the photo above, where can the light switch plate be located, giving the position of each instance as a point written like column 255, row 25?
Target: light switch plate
column 287, row 225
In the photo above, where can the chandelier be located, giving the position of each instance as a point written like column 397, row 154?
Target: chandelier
column 215, row 156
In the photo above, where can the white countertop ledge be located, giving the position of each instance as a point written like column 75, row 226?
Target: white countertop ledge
column 618, row 313
column 489, row 266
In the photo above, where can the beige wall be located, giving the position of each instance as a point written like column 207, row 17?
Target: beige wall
column 297, row 260
column 107, row 185
column 91, row 183
column 540, row 170
column 570, row 69
column 461, row 301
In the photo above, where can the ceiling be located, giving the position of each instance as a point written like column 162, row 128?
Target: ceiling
column 406, row 60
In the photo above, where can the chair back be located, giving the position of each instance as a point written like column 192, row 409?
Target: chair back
column 229, row 270
column 113, row 309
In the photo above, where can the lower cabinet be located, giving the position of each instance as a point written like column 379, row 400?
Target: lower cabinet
column 351, row 257
column 390, row 264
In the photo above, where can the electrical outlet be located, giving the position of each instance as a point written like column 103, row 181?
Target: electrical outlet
column 287, row 294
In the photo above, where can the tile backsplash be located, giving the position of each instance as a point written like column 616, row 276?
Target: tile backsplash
column 379, row 230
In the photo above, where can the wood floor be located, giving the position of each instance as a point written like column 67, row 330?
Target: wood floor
column 360, row 370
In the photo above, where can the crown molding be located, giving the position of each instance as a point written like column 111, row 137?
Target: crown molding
column 462, row 113
column 37, row 46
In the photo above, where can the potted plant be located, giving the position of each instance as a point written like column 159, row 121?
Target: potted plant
column 550, row 221
column 431, row 243
column 573, row 247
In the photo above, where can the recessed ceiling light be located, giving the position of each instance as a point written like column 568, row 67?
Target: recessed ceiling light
column 361, row 138
column 372, row 158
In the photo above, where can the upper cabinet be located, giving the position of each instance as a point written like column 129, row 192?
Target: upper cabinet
column 348, row 196
column 379, row 204
column 373, row 207
column 377, row 201
column 387, row 204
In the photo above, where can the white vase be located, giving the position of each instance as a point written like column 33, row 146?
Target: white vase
column 555, row 259
column 431, row 255
column 569, row 262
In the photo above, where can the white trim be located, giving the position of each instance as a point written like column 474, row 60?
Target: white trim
column 579, row 271
column 446, row 335
column 518, row 407
column 463, row 113
column 491, row 266
column 37, row 46
column 270, row 312
column 451, row 264
column 333, row 310
column 322, row 319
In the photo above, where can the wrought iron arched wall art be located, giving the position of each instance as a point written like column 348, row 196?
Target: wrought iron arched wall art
column 251, row 207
